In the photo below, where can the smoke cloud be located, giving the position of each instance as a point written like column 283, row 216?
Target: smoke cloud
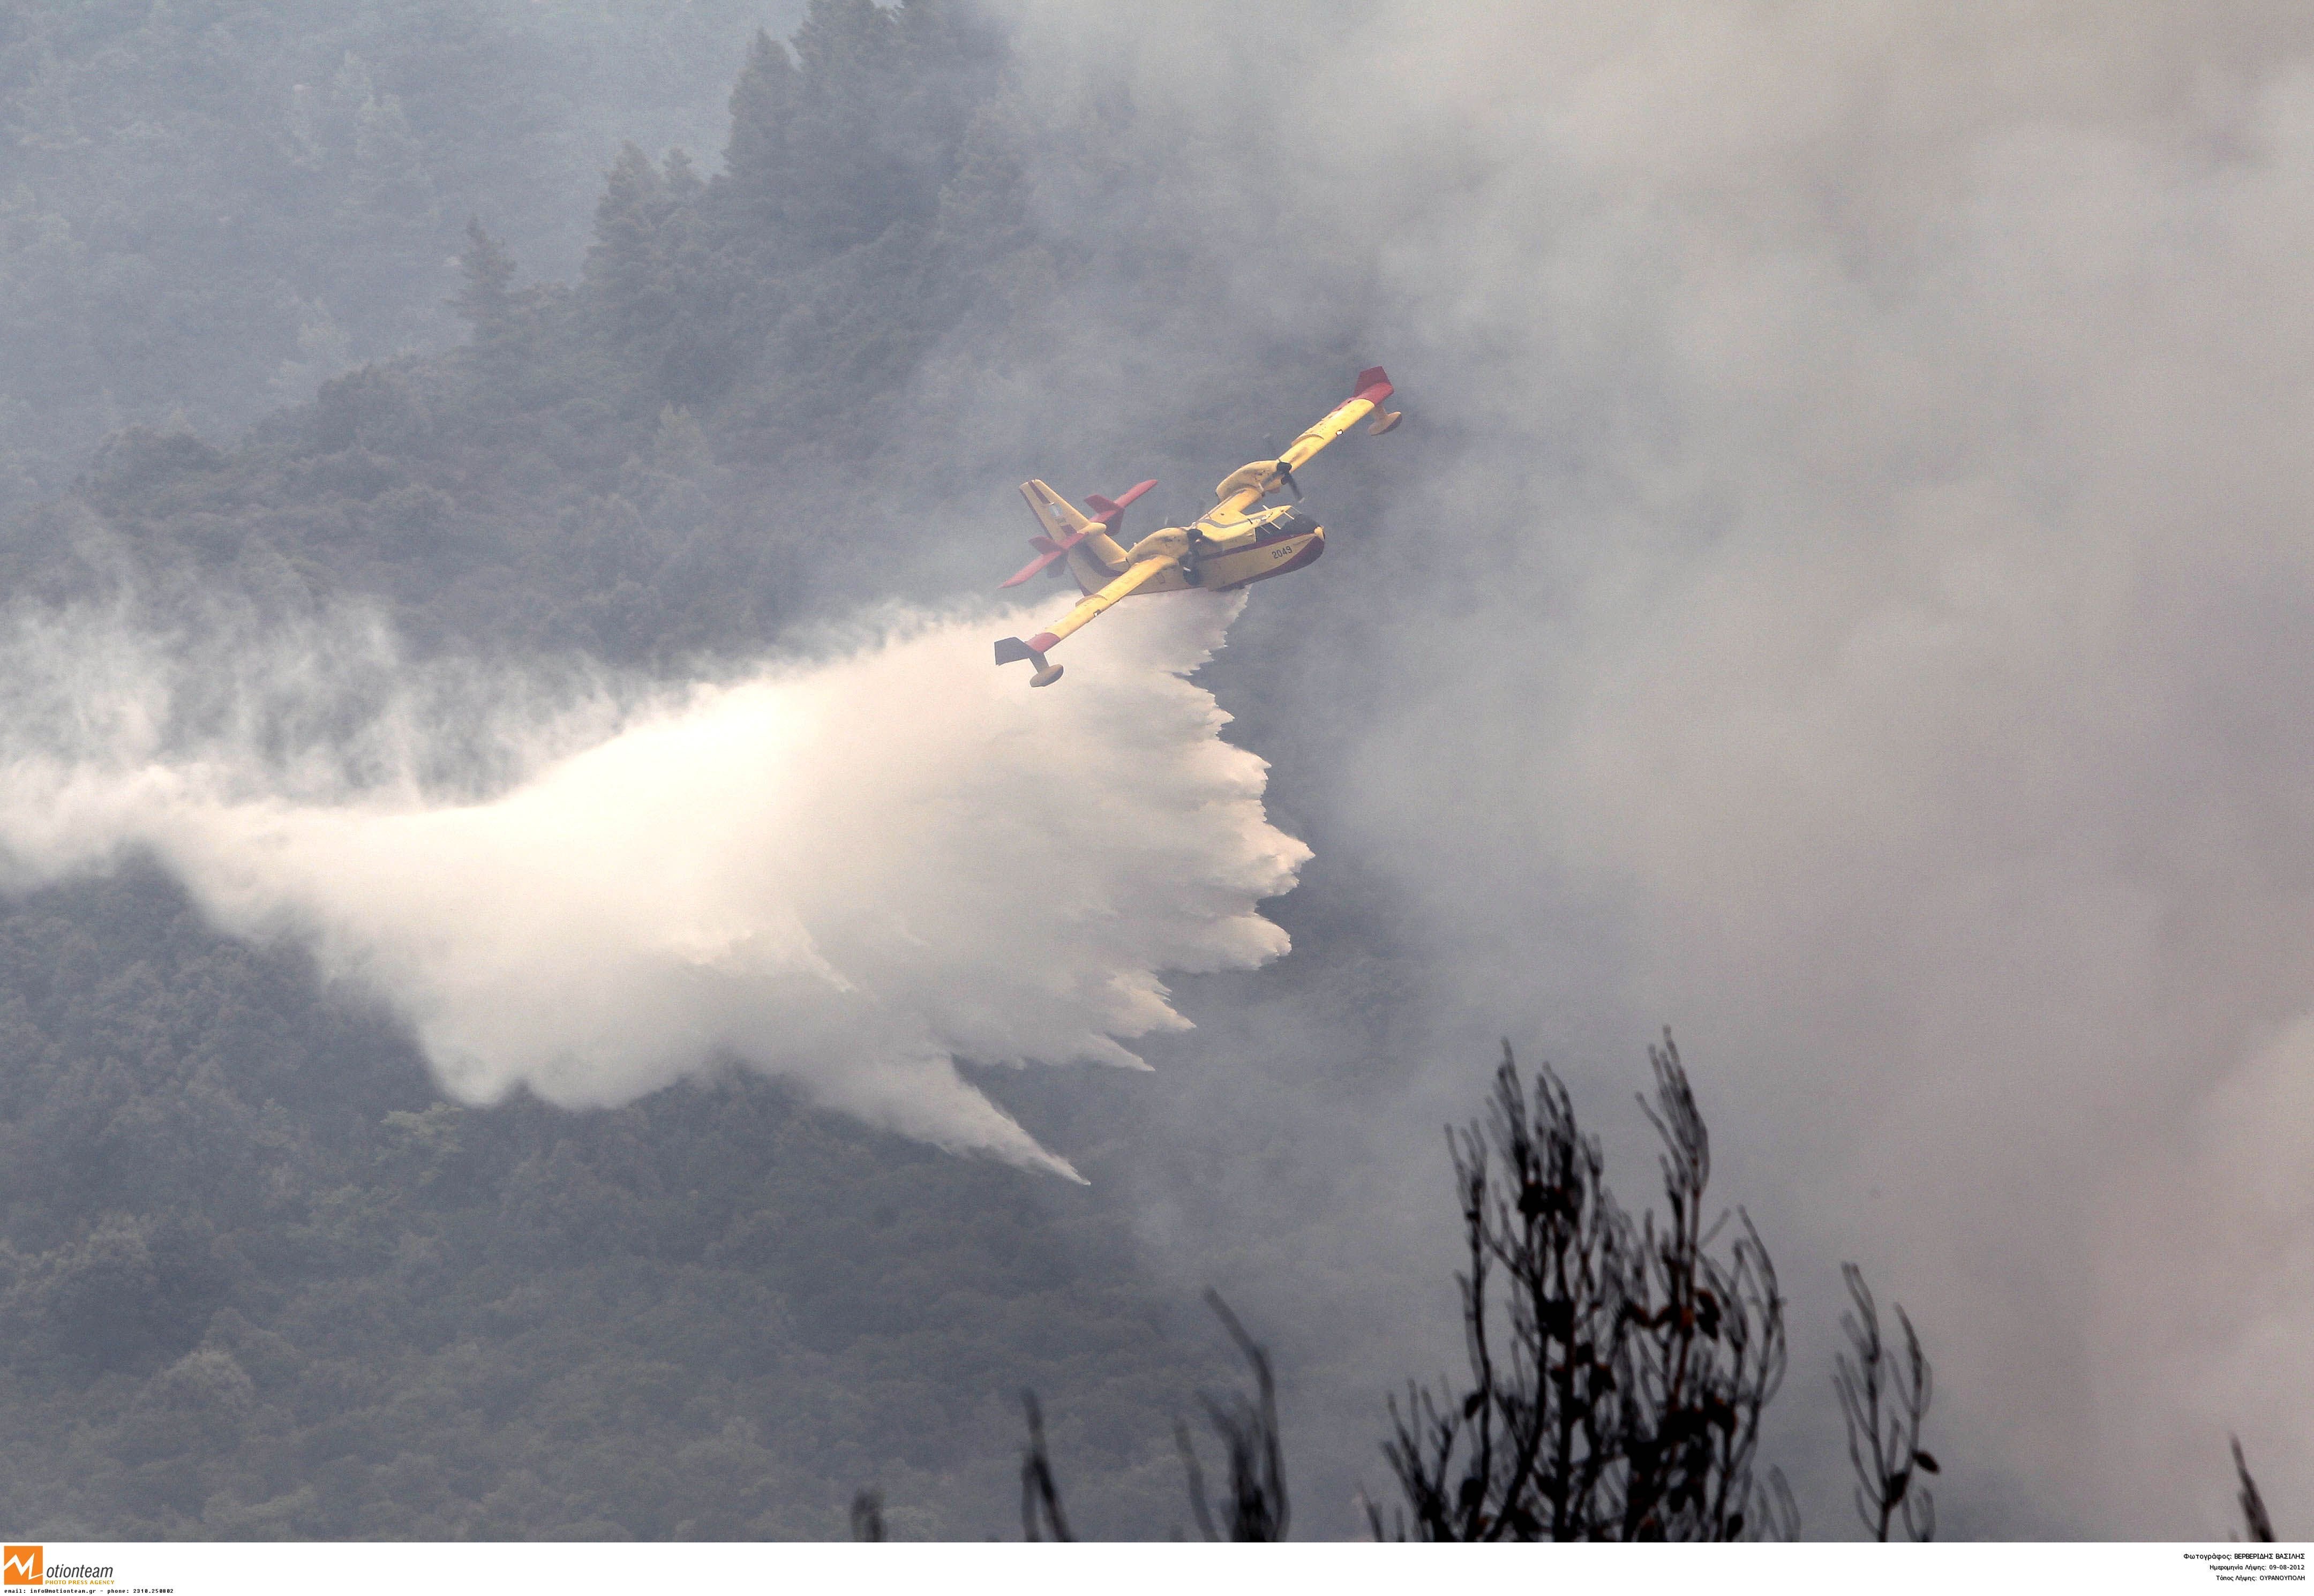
column 1843, row 589
column 1846, row 570
column 849, row 873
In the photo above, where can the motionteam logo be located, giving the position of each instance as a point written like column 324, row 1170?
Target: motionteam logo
column 23, row 1566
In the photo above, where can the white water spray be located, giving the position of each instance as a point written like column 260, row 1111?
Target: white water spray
column 848, row 874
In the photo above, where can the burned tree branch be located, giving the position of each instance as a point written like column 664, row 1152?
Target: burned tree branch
column 1884, row 1402
column 2255, row 1518
column 1618, row 1371
column 1040, row 1498
column 1256, row 1508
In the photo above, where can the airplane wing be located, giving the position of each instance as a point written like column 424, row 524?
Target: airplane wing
column 1250, row 483
column 1373, row 387
column 1012, row 649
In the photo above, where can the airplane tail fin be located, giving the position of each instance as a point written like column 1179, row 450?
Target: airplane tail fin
column 1068, row 526
column 1058, row 515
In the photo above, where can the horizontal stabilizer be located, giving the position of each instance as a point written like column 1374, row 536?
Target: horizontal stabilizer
column 1107, row 511
column 1047, row 551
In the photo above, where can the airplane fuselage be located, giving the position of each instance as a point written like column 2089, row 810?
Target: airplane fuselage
column 1217, row 557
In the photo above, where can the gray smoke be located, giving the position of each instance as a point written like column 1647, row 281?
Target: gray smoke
column 1846, row 593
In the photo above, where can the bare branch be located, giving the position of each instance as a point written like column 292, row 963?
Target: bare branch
column 2255, row 1518
column 1617, row 1372
column 1256, row 1508
column 1883, row 1404
column 1197, row 1481
column 1040, row 1498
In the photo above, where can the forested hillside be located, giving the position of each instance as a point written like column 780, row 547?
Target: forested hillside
column 771, row 391
column 259, row 1278
column 210, row 207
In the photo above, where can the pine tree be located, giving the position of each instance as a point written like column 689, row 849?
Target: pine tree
column 626, row 265
column 756, row 160
column 656, row 294
column 849, row 175
column 682, row 180
column 989, row 262
column 983, row 208
column 389, row 176
column 485, row 301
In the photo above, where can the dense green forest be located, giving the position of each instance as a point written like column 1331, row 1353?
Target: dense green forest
column 208, row 208
column 259, row 1281
column 258, row 1278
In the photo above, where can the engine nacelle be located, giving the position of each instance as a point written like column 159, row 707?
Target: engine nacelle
column 1260, row 475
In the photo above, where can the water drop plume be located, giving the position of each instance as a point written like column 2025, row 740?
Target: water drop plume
column 849, row 872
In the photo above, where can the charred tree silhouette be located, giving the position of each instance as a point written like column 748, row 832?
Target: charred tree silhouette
column 1882, row 1401
column 2255, row 1518
column 1256, row 1508
column 1040, row 1498
column 868, row 1516
column 1618, row 1370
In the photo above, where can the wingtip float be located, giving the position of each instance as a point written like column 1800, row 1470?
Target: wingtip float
column 1236, row 543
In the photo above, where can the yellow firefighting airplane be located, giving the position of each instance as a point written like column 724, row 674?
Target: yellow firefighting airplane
column 1229, row 546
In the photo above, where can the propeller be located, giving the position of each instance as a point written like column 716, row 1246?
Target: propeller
column 1286, row 480
column 1196, row 553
